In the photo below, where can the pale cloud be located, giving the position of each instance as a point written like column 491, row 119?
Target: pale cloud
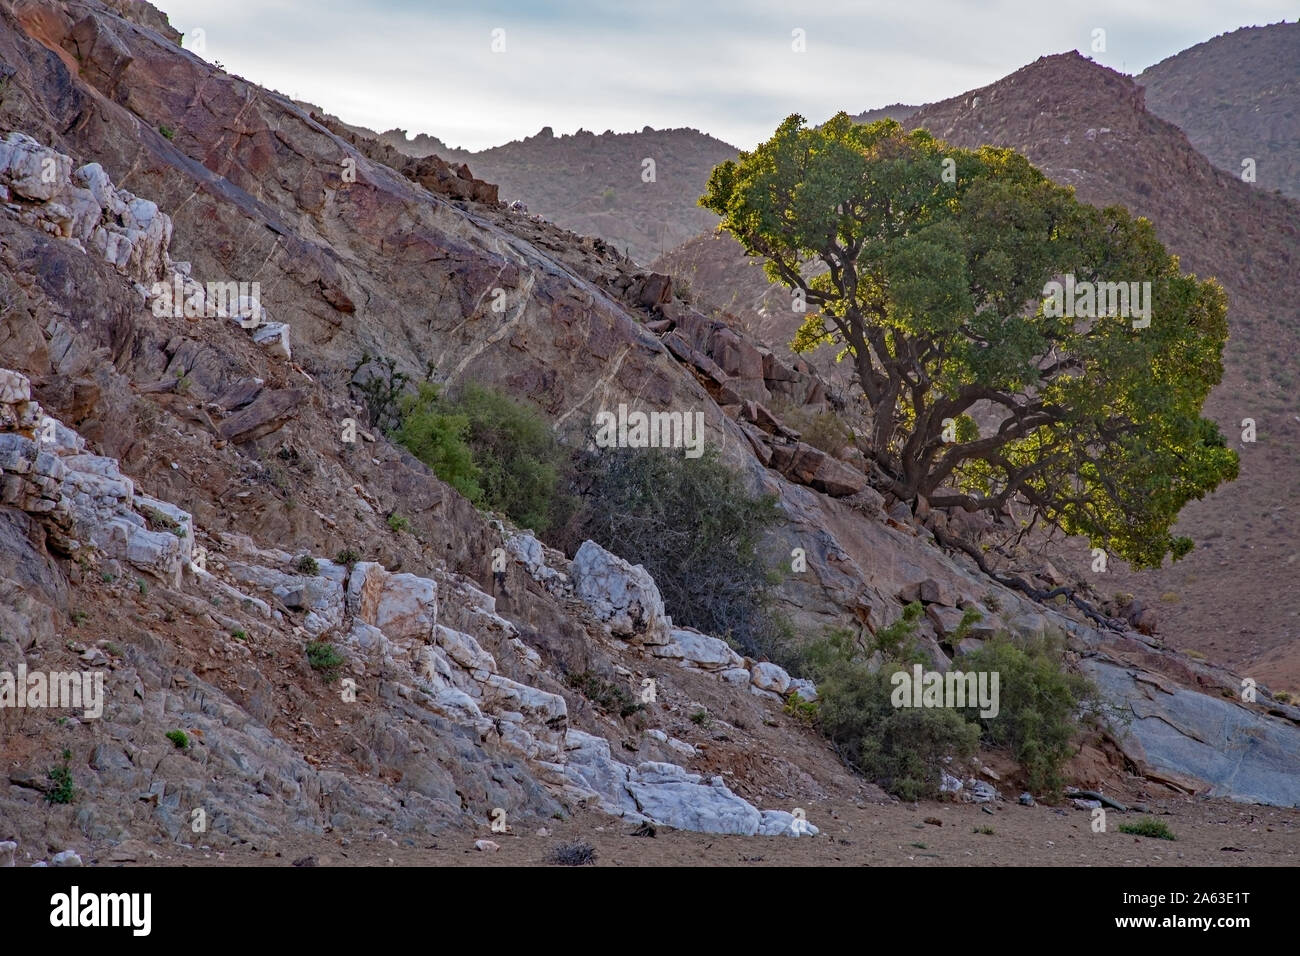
column 726, row 67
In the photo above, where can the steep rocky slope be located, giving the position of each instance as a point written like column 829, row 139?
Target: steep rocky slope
column 1237, row 97
column 636, row 191
column 179, row 491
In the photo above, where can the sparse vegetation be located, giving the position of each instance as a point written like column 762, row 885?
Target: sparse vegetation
column 701, row 718
column 307, row 565
column 576, row 853
column 239, row 634
column 1148, row 827
column 167, row 131
column 800, row 709
column 903, row 748
column 397, row 523
column 694, row 527
column 1038, row 703
column 325, row 658
column 608, row 696
column 497, row 452
column 179, row 738
column 347, row 557
column 61, row 789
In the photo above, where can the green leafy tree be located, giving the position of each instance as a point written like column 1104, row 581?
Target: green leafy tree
column 928, row 264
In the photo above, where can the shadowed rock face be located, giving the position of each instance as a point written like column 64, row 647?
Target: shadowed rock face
column 460, row 685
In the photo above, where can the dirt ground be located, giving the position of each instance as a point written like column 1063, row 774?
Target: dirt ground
column 1208, row 833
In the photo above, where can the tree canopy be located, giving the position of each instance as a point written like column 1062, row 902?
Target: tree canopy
column 929, row 266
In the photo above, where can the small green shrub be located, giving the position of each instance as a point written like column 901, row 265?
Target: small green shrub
column 498, row 453
column 325, row 658
column 1038, row 703
column 397, row 523
column 1155, row 829
column 985, row 830
column 179, row 738
column 239, row 634
column 800, row 709
column 901, row 748
column 382, row 388
column 347, row 557
column 167, row 131
column 437, row 436
column 308, row 565
column 61, row 789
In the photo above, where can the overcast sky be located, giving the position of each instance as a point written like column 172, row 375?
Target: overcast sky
column 726, row 67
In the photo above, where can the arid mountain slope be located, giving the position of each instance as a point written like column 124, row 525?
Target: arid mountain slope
column 131, row 437
column 636, row 191
column 1237, row 97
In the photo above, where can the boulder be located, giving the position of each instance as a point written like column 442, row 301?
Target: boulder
column 768, row 676
column 707, row 653
column 621, row 595
column 400, row 605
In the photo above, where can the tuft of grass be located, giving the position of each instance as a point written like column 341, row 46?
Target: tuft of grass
column 347, row 557
column 239, row 634
column 179, row 738
column 576, row 853
column 307, row 565
column 701, row 718
column 987, row 831
column 167, row 131
column 1148, row 827
column 397, row 523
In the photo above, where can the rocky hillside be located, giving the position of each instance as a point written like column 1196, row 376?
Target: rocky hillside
column 636, row 191
column 1237, row 97
column 191, row 502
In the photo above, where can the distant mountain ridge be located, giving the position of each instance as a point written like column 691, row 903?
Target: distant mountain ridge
column 1237, row 97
